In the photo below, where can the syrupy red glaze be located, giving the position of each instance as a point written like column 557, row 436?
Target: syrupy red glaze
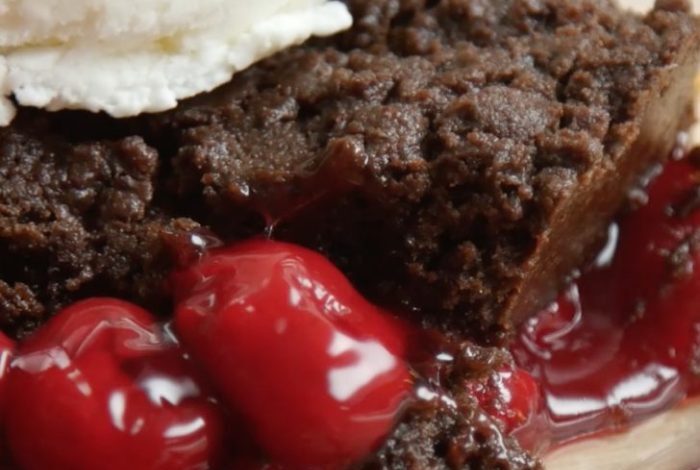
column 188, row 248
column 509, row 394
column 623, row 342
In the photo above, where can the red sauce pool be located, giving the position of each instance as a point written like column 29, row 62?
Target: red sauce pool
column 623, row 343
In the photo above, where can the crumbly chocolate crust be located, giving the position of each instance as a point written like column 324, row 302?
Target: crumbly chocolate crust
column 456, row 158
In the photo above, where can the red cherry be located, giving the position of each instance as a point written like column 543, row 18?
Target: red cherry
column 100, row 387
column 314, row 368
column 510, row 395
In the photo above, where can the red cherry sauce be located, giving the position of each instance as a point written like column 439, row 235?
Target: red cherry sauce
column 623, row 342
column 509, row 394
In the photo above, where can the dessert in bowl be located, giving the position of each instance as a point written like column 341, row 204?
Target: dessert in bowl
column 323, row 262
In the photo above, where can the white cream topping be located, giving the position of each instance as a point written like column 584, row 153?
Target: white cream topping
column 126, row 57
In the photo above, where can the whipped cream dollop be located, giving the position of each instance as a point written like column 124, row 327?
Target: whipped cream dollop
column 125, row 57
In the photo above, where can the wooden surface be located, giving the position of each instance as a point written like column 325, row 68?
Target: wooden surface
column 667, row 442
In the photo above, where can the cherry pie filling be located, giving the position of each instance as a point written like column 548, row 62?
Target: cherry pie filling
column 273, row 361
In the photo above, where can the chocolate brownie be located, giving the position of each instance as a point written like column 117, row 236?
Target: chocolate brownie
column 80, row 219
column 456, row 158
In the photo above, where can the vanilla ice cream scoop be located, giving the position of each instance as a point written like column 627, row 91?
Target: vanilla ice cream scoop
column 125, row 57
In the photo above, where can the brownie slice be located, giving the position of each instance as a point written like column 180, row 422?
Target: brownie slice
column 458, row 158
column 80, row 219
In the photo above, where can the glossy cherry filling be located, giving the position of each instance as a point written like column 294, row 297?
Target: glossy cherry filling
column 309, row 374
column 623, row 342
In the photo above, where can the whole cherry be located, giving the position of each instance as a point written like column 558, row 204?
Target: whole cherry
column 315, row 369
column 99, row 386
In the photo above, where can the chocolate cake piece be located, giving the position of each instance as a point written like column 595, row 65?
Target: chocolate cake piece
column 76, row 219
column 459, row 158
